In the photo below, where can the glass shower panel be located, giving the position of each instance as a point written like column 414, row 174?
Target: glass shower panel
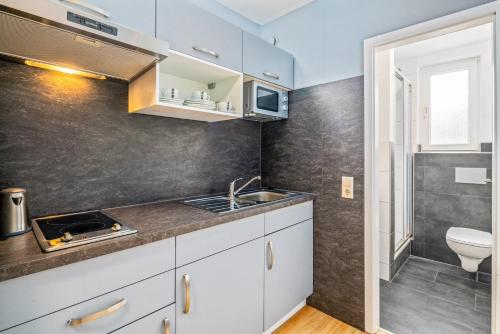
column 402, row 163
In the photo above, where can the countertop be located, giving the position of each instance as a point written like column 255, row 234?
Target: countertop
column 21, row 255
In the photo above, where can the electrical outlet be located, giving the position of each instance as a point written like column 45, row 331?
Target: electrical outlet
column 347, row 187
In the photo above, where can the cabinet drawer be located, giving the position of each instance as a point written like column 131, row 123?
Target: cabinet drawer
column 157, row 323
column 267, row 62
column 196, row 32
column 282, row 218
column 199, row 244
column 39, row 294
column 139, row 299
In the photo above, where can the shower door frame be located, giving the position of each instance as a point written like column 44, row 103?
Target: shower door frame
column 457, row 21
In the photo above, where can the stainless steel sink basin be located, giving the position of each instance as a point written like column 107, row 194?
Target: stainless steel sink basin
column 220, row 204
column 263, row 196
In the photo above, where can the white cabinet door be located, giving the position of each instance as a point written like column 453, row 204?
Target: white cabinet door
column 288, row 271
column 196, row 32
column 222, row 293
column 266, row 61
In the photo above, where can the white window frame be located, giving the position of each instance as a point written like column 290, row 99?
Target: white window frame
column 473, row 66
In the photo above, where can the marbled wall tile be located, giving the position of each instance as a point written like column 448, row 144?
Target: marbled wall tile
column 457, row 159
column 443, row 204
column 462, row 211
column 71, row 142
column 442, row 180
column 320, row 142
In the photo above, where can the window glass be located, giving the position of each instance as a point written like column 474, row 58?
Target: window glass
column 449, row 108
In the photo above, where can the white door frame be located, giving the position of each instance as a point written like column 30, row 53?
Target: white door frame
column 417, row 32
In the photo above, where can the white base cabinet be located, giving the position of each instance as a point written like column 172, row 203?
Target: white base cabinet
column 224, row 294
column 289, row 270
column 160, row 322
column 241, row 277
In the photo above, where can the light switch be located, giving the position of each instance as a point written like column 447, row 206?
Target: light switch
column 347, row 187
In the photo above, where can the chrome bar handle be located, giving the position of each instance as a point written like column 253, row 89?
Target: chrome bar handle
column 207, row 51
column 90, row 7
column 187, row 293
column 488, row 181
column 270, row 255
column 166, row 326
column 95, row 316
column 271, row 75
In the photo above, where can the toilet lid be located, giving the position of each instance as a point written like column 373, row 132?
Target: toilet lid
column 469, row 236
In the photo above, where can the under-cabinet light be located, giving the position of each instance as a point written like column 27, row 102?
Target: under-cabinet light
column 64, row 69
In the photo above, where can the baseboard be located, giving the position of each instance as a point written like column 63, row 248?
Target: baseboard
column 286, row 317
column 383, row 331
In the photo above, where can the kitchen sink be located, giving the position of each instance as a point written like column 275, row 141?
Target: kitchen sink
column 220, row 204
column 263, row 196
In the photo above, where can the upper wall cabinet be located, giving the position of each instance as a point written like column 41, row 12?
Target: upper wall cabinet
column 196, row 32
column 137, row 15
column 267, row 62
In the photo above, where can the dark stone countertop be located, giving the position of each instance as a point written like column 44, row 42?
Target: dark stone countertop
column 21, row 255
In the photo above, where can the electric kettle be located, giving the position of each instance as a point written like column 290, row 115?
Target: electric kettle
column 14, row 218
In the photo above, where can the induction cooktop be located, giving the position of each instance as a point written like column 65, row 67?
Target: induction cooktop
column 64, row 231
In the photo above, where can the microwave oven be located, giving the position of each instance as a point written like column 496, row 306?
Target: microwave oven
column 264, row 102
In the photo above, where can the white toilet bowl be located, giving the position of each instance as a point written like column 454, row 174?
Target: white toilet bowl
column 472, row 246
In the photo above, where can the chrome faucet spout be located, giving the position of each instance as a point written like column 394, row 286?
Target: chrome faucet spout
column 232, row 193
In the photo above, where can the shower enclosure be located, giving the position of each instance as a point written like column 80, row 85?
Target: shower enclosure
column 402, row 172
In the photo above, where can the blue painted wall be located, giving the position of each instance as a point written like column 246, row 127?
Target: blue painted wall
column 227, row 14
column 326, row 36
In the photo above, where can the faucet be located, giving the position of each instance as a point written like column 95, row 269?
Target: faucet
column 233, row 192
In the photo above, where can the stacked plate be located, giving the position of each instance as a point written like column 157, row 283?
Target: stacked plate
column 171, row 101
column 202, row 104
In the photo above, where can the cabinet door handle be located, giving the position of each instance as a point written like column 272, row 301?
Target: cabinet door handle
column 271, row 75
column 270, row 255
column 90, row 7
column 187, row 293
column 207, row 51
column 99, row 314
column 166, row 326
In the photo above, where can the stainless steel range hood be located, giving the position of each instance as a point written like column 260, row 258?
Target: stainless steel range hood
column 58, row 33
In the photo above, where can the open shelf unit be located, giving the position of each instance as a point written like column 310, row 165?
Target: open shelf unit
column 187, row 74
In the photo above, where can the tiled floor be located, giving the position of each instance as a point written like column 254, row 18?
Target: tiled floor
column 427, row 297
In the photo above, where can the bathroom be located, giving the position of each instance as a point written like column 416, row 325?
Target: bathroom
column 435, row 104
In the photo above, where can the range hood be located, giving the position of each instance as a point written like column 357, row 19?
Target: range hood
column 67, row 34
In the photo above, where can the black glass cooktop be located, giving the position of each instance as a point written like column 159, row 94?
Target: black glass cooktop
column 55, row 227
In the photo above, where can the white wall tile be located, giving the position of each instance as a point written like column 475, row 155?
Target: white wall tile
column 384, row 247
column 385, row 217
column 384, row 271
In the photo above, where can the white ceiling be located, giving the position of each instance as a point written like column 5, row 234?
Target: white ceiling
column 263, row 11
column 464, row 37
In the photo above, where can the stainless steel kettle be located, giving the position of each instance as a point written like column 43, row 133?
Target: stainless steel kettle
column 14, row 217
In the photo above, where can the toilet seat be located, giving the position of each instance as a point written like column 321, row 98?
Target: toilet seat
column 468, row 236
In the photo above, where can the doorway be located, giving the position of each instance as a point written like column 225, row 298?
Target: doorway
column 429, row 111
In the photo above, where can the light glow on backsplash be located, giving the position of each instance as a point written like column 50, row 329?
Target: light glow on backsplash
column 64, row 69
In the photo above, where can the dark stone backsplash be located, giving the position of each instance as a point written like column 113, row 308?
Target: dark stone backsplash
column 71, row 143
column 321, row 141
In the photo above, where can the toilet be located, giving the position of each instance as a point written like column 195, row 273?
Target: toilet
column 472, row 246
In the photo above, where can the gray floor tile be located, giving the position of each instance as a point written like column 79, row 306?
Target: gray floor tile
column 458, row 314
column 434, row 325
column 483, row 304
column 464, row 284
column 418, row 271
column 437, row 290
column 453, row 304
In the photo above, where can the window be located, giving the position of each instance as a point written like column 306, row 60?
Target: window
column 450, row 114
